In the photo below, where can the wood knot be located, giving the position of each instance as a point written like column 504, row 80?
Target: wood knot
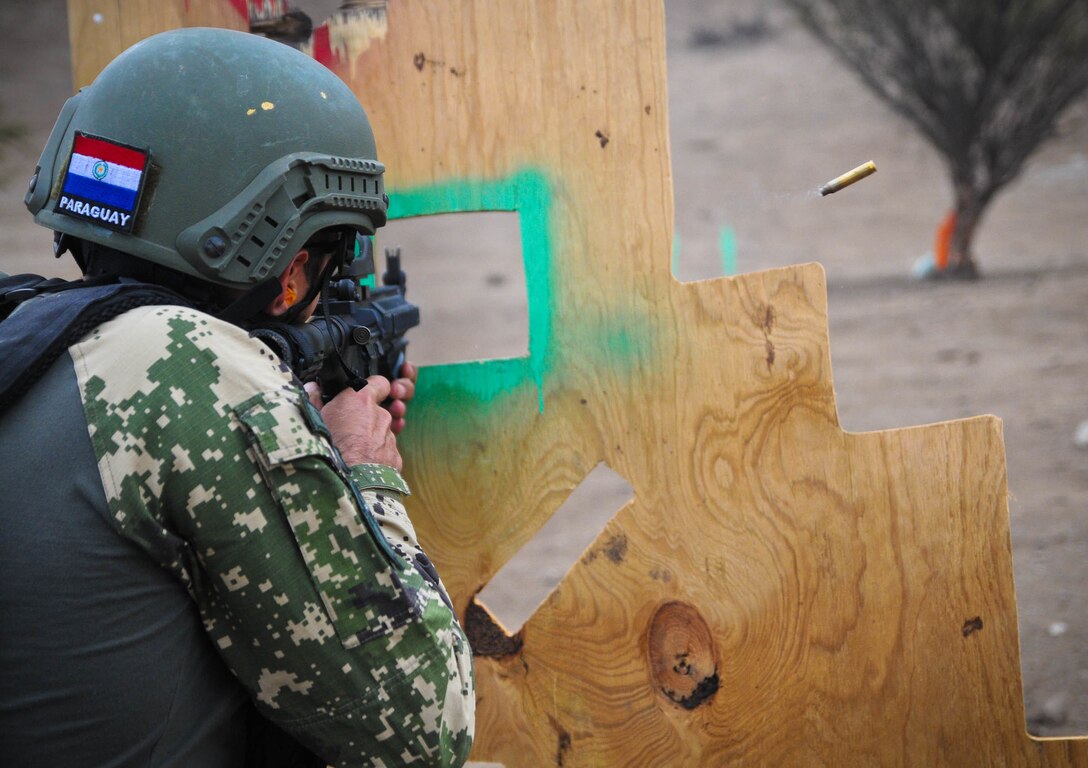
column 485, row 635
column 683, row 657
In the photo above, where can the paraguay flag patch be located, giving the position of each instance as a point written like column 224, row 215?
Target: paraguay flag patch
column 103, row 182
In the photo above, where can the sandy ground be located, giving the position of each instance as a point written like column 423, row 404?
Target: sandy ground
column 760, row 116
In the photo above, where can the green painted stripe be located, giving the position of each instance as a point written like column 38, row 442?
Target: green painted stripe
column 529, row 193
column 728, row 241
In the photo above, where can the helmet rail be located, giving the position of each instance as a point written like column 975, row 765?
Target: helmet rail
column 293, row 198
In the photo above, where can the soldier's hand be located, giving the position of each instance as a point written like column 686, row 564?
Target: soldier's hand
column 400, row 393
column 362, row 430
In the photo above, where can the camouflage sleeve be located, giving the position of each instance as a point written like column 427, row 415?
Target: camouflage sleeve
column 214, row 462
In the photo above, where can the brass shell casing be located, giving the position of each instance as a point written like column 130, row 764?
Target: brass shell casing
column 848, row 178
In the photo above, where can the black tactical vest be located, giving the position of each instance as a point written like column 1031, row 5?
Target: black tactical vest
column 33, row 334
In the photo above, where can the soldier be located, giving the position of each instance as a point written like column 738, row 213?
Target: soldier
column 202, row 566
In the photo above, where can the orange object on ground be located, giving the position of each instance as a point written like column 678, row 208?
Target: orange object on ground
column 944, row 241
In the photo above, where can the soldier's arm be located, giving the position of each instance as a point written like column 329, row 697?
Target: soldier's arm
column 215, row 463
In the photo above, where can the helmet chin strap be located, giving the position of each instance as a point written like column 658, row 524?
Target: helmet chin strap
column 292, row 315
column 338, row 259
column 253, row 302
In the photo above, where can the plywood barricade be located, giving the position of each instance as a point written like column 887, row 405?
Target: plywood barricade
column 101, row 29
column 779, row 592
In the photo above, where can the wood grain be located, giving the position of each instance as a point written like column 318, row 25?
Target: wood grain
column 779, row 592
column 101, row 29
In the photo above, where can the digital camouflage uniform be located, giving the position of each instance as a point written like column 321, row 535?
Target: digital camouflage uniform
column 306, row 574
column 182, row 546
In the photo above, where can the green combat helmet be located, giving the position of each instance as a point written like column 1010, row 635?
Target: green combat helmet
column 213, row 153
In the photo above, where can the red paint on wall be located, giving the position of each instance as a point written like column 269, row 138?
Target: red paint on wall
column 323, row 47
column 242, row 7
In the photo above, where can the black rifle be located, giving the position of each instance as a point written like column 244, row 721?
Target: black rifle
column 357, row 331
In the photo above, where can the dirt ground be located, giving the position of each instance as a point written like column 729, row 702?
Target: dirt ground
column 760, row 116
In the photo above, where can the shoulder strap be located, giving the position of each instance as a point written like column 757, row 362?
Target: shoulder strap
column 34, row 333
column 15, row 289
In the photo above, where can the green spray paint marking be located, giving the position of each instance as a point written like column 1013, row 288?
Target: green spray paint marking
column 529, row 193
column 728, row 242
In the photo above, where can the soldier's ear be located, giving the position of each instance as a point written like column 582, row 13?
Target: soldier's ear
column 293, row 283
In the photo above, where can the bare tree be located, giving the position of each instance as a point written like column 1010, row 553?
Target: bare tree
column 983, row 80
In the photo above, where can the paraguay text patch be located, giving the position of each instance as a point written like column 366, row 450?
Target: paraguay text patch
column 103, row 182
